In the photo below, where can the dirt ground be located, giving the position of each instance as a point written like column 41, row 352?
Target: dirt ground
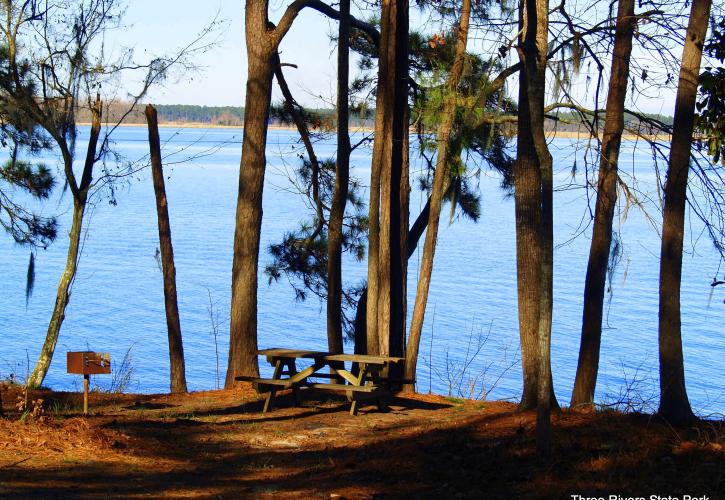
column 218, row 444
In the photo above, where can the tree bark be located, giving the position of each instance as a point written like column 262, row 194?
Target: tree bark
column 532, row 52
column 674, row 403
column 371, row 315
column 588, row 366
column 263, row 39
column 65, row 283
column 391, row 110
column 177, row 365
column 436, row 200
column 243, row 314
column 527, row 202
column 403, row 229
column 339, row 196
column 412, row 240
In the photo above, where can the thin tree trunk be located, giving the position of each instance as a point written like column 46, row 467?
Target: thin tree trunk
column 299, row 120
column 588, row 366
column 674, row 403
column 80, row 198
column 62, row 298
column 371, row 315
column 361, row 340
column 413, row 238
column 417, row 229
column 243, row 313
column 304, row 132
column 400, row 196
column 438, row 191
column 173, row 324
column 527, row 202
column 382, row 133
column 403, row 228
column 339, row 197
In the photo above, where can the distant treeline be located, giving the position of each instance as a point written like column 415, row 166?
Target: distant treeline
column 171, row 113
column 571, row 121
column 232, row 116
column 566, row 121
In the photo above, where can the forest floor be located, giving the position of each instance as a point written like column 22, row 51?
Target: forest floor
column 218, row 444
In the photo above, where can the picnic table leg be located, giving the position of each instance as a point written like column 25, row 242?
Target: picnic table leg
column 292, row 367
column 360, row 378
column 278, row 364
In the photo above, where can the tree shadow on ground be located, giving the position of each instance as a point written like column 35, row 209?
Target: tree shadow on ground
column 489, row 455
column 315, row 403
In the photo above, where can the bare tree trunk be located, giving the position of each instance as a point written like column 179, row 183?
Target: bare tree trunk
column 532, row 52
column 386, row 262
column 380, row 147
column 263, row 39
column 62, row 297
column 299, row 120
column 243, row 320
column 674, row 403
column 394, row 56
column 586, row 374
column 361, row 340
column 80, row 199
column 404, row 204
column 371, row 305
column 342, row 177
column 438, row 191
column 173, row 324
column 400, row 196
column 527, row 201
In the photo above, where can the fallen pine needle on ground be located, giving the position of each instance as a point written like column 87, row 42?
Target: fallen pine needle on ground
column 218, row 444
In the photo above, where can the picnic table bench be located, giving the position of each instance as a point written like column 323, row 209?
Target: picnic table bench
column 368, row 383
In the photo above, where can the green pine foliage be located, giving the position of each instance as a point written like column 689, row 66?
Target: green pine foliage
column 301, row 256
column 476, row 142
column 21, row 139
column 711, row 107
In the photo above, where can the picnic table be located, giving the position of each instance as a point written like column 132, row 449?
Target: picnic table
column 369, row 381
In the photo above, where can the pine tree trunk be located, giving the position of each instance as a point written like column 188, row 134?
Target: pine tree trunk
column 65, row 283
column 527, row 202
column 674, row 403
column 399, row 199
column 386, row 262
column 243, row 320
column 382, row 132
column 436, row 201
column 403, row 228
column 586, row 374
column 361, row 340
column 533, row 52
column 62, row 297
column 339, row 197
column 173, row 324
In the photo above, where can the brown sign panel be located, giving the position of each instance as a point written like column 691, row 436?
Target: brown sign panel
column 89, row 363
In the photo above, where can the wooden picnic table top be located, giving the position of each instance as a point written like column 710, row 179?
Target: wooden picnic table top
column 326, row 356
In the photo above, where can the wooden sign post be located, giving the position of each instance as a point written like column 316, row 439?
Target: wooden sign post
column 88, row 363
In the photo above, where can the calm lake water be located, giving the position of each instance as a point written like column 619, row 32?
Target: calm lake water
column 117, row 298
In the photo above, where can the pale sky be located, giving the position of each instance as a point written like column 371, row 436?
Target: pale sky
column 162, row 26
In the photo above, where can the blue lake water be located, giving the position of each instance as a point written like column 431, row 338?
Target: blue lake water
column 117, row 299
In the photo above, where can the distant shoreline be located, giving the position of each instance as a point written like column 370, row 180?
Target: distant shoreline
column 555, row 134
